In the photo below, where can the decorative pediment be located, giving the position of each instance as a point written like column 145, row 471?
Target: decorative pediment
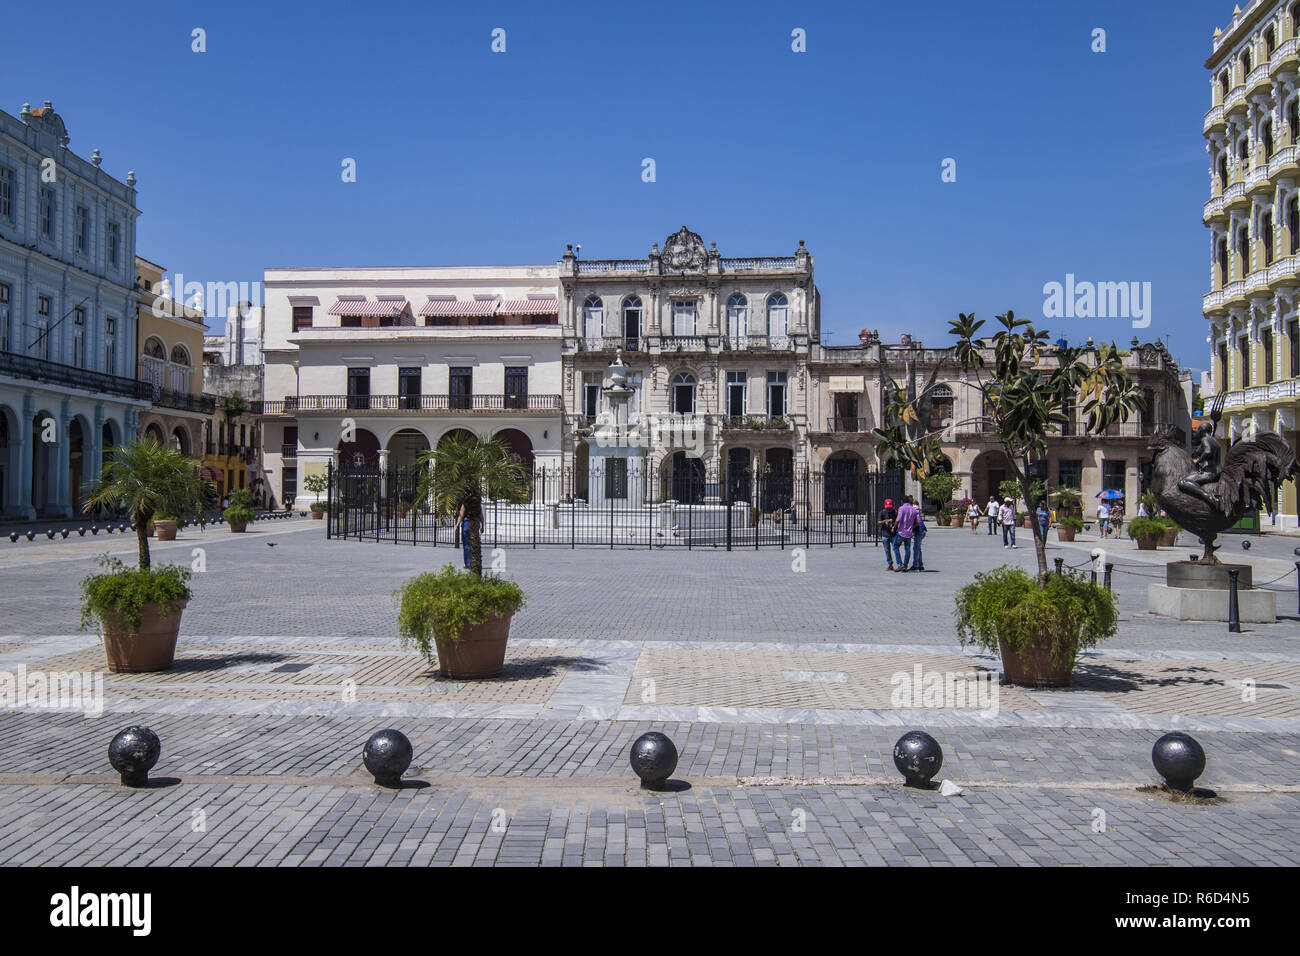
column 684, row 252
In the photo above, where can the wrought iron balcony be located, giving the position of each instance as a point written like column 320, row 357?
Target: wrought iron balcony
column 840, row 423
column 420, row 403
column 69, row 376
column 185, row 401
column 288, row 451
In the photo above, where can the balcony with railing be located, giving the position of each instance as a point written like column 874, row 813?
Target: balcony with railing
column 754, row 423
column 1236, row 99
column 184, row 401
column 1212, row 301
column 1258, row 77
column 69, row 376
column 1213, row 209
column 288, row 451
column 841, row 424
column 420, row 403
column 1284, row 157
column 762, row 265
column 686, row 343
column 1257, row 280
column 1214, row 118
column 1257, row 178
column 1284, row 54
column 611, row 343
column 613, row 267
column 1234, row 194
column 1284, row 268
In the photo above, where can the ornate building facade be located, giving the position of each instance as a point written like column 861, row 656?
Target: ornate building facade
column 716, row 373
column 1252, row 133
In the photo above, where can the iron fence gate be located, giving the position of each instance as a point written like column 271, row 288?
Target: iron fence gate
column 622, row 504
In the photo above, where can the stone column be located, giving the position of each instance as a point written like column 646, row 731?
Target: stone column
column 26, row 448
column 63, row 493
column 97, row 446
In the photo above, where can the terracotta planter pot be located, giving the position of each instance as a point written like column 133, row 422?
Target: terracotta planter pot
column 166, row 529
column 1170, row 539
column 945, row 520
column 1034, row 668
column 238, row 527
column 149, row 531
column 959, row 520
column 149, row 647
column 1147, row 543
column 317, row 512
column 1028, row 521
column 1064, row 534
column 480, row 653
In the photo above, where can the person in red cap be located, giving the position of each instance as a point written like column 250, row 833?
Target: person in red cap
column 888, row 522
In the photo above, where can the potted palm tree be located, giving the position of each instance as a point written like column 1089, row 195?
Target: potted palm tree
column 463, row 615
column 139, row 609
column 1029, row 390
column 1068, row 527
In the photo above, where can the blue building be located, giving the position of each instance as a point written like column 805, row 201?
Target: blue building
column 68, row 302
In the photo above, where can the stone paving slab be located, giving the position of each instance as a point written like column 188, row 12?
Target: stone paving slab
column 269, row 825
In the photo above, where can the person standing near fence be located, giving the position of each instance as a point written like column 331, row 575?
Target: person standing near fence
column 462, row 526
column 886, row 521
column 992, row 512
column 1007, row 518
column 918, row 564
column 903, row 536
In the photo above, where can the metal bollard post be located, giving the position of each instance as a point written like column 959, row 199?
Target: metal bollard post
column 1234, row 614
column 1061, row 561
column 1297, row 585
column 1092, row 575
column 1109, row 566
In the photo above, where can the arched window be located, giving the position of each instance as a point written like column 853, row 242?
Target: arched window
column 683, row 393
column 738, row 320
column 1223, row 170
column 178, row 375
column 632, row 311
column 1266, row 132
column 1270, row 41
column 1223, row 261
column 1266, row 236
column 940, row 407
column 778, row 319
column 1293, row 224
column 154, row 348
column 1243, row 251
column 1245, row 64
column 593, row 318
column 1224, row 83
column 1293, row 119
column 180, row 356
column 1243, row 150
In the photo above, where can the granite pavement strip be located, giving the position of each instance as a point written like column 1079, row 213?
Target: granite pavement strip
column 775, row 685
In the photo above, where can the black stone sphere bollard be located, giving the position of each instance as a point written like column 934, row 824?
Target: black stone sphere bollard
column 1179, row 759
column 13, row 536
column 50, row 534
column 31, row 535
column 918, row 757
column 64, row 533
column 387, row 755
column 1245, row 545
column 94, row 529
column 653, row 759
column 81, row 532
column 133, row 753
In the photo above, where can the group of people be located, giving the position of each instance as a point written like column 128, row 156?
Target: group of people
column 1002, row 514
column 902, row 530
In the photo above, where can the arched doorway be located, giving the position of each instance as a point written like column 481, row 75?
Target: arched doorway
column 77, row 461
column 988, row 470
column 581, row 469
column 360, row 453
column 108, row 440
column 740, row 475
column 155, row 434
column 843, row 479
column 520, row 445
column 777, row 491
column 181, row 440
column 8, row 450
column 686, row 479
column 457, row 433
column 404, row 448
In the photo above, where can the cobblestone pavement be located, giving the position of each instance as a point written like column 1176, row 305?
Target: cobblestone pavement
column 780, row 688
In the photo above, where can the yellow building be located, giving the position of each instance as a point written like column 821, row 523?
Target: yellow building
column 169, row 353
column 1253, row 213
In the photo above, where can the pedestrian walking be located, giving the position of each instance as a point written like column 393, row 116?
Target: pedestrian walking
column 1007, row 518
column 992, row 512
column 887, row 521
column 905, row 529
column 973, row 516
column 918, row 563
column 1044, row 520
column 462, row 525
column 1103, row 519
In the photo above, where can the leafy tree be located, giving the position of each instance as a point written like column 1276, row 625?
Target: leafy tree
column 1028, row 389
column 149, row 479
column 459, row 472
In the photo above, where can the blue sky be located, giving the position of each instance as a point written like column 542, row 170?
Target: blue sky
column 1068, row 161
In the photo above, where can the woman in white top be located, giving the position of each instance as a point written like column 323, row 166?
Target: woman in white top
column 991, row 512
column 973, row 516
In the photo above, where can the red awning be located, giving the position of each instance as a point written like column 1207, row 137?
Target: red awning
column 530, row 307
column 459, row 307
column 362, row 307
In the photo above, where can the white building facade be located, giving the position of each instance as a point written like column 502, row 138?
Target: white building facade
column 367, row 368
column 67, row 316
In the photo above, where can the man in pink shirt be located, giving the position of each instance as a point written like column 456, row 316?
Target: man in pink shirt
column 903, row 536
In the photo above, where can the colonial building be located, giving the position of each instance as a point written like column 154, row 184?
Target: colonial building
column 171, row 346
column 1252, row 131
column 852, row 386
column 370, row 367
column 716, row 353
column 68, row 386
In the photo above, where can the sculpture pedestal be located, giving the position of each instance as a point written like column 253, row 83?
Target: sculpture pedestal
column 1254, row 605
column 1191, row 574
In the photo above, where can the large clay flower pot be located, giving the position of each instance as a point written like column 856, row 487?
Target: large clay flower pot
column 1147, row 542
column 1034, row 668
column 1028, row 522
column 1170, row 539
column 166, row 529
column 238, row 527
column 481, row 652
column 149, row 647
column 1064, row 534
column 317, row 512
column 959, row 519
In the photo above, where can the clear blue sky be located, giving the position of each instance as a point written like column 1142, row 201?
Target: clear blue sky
column 1067, row 161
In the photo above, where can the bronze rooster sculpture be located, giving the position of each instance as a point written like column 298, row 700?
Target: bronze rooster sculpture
column 1207, row 497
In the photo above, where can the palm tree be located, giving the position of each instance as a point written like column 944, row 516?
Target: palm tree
column 148, row 479
column 459, row 472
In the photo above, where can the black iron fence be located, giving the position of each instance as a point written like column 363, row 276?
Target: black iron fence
column 626, row 505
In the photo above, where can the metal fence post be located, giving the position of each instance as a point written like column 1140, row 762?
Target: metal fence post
column 1234, row 611
column 1109, row 566
column 329, row 490
column 1059, row 565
